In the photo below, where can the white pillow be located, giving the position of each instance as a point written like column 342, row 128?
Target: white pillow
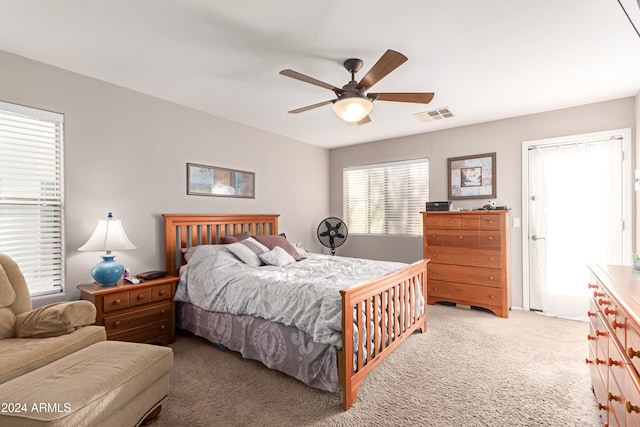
column 301, row 251
column 277, row 256
column 247, row 251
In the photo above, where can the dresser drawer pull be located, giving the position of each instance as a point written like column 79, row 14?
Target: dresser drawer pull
column 163, row 327
column 140, row 297
column 616, row 325
column 603, row 302
column 608, row 311
column 632, row 353
column 614, row 397
column 460, row 237
column 435, row 289
column 600, row 361
column 161, row 293
column 117, row 301
column 614, row 362
column 601, row 333
column 588, row 362
column 116, row 323
column 592, row 286
column 602, row 407
column 490, row 238
column 591, row 338
column 163, row 311
column 591, row 314
column 491, row 258
column 597, row 294
column 632, row 408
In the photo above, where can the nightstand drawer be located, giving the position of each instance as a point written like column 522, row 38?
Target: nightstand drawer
column 142, row 317
column 139, row 296
column 116, row 301
column 161, row 292
column 156, row 333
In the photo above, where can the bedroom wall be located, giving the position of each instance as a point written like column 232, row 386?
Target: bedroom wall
column 126, row 152
column 503, row 137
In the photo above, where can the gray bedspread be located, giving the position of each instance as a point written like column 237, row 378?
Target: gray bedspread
column 304, row 294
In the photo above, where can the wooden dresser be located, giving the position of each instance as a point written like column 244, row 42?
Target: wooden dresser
column 141, row 313
column 469, row 253
column 614, row 343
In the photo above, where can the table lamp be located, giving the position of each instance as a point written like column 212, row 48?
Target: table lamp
column 108, row 236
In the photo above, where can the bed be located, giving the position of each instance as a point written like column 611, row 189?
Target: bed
column 386, row 309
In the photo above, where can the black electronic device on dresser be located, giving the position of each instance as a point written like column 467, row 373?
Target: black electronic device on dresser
column 439, row 206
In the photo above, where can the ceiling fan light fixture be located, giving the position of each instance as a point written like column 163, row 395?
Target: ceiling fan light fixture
column 352, row 109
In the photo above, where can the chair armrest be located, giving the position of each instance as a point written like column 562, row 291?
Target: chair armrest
column 55, row 319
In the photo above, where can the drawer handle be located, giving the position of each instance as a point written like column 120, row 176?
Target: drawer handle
column 491, row 278
column 616, row 325
column 588, row 362
column 140, row 297
column 116, row 323
column 490, row 238
column 591, row 338
column 603, row 302
column 592, row 286
column 614, row 397
column 597, row 294
column 602, row 407
column 460, row 237
column 117, row 301
column 601, row 333
column 608, row 311
column 632, row 353
column 614, row 362
column 163, row 327
column 632, row 408
column 163, row 311
column 434, row 272
column 435, row 289
column 600, row 361
column 161, row 292
column 491, row 258
column 591, row 314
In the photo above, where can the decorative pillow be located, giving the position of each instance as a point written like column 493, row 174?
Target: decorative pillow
column 301, row 251
column 277, row 256
column 273, row 241
column 236, row 238
column 247, row 251
column 55, row 319
column 7, row 323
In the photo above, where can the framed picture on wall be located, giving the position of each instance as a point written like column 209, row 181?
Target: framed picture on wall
column 472, row 177
column 203, row 180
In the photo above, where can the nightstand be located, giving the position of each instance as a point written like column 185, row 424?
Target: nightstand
column 141, row 313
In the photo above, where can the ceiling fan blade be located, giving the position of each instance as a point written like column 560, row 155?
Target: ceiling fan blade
column 298, row 76
column 415, row 97
column 386, row 64
column 364, row 121
column 311, row 107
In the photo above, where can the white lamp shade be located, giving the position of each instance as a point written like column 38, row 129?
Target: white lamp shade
column 352, row 109
column 108, row 236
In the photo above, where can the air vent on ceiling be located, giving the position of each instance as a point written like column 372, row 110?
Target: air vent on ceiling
column 440, row 113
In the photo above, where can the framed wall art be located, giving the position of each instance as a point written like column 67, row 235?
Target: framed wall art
column 205, row 180
column 472, row 177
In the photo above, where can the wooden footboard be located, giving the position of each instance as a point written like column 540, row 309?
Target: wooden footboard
column 392, row 303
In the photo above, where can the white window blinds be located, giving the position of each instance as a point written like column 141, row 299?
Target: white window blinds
column 31, row 195
column 386, row 198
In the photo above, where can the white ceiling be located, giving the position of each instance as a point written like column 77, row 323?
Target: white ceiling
column 485, row 60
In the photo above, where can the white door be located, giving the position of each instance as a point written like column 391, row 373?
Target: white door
column 576, row 215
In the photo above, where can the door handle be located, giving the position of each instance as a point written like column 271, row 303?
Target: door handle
column 534, row 237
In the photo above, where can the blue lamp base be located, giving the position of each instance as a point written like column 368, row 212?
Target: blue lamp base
column 107, row 272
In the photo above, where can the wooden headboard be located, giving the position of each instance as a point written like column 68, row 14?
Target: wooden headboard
column 186, row 230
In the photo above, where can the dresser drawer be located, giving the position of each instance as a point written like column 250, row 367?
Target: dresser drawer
column 490, row 277
column 139, row 296
column 490, row 238
column 433, row 222
column 461, row 238
column 464, row 256
column 491, row 222
column 142, row 317
column 470, row 222
column 116, row 301
column 155, row 333
column 632, row 347
column 464, row 294
column 162, row 292
column 451, row 222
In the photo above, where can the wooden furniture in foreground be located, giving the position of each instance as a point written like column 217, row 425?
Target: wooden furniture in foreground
column 397, row 320
column 614, row 343
column 140, row 313
column 469, row 258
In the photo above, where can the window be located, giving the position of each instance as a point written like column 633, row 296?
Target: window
column 386, row 198
column 31, row 195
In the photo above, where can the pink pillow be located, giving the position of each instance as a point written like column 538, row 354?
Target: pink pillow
column 233, row 239
column 273, row 241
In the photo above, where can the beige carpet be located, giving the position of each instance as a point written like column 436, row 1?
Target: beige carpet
column 469, row 369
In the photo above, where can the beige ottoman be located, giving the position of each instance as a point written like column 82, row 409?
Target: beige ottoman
column 110, row 383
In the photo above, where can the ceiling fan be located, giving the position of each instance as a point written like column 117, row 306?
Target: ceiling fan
column 353, row 103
